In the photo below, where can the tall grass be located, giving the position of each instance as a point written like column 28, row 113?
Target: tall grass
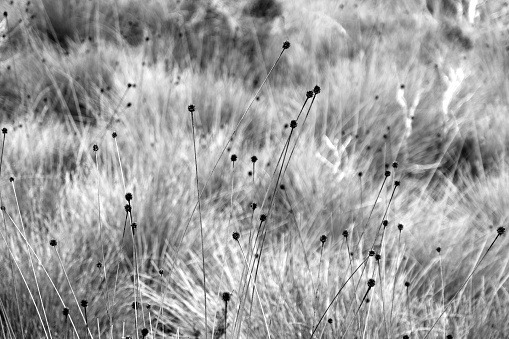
column 299, row 231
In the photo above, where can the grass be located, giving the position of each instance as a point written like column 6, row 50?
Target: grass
column 352, row 184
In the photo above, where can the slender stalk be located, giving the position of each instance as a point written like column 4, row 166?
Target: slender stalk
column 191, row 109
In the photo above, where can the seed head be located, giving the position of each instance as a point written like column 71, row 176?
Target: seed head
column 99, row 265
column 397, row 183
column 127, row 207
column 11, row 179
column 253, row 205
column 378, row 257
column 5, row 14
column 148, row 306
column 329, row 320
column 254, row 159
column 84, row 303
column 400, row 227
column 323, row 238
column 161, row 272
column 282, row 187
column 309, row 94
column 316, row 89
column 407, row 283
column 387, row 173
column 406, row 337
column 359, row 174
column 134, row 225
column 95, row 148
column 286, row 44
column 65, row 311
column 293, row 124
column 226, row 296
column 385, row 222
column 236, row 236
column 135, row 305
column 501, row 230
column 2, row 208
column 233, row 158
column 53, row 242
column 190, row 108
column 439, row 249
column 114, row 135
column 128, row 196
column 144, row 332
column 4, row 130
column 371, row 282
column 345, row 233
column 449, row 336
column 395, row 164
column 371, row 253
column 263, row 217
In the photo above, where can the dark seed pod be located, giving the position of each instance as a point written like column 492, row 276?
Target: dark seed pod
column 371, row 253
column 114, row 135
column 95, row 148
column 345, row 233
column 254, row 159
column 4, row 130
column 293, row 124
column 329, row 320
column 501, row 230
column 286, row 44
column 400, row 227
column 263, row 217
column 128, row 196
column 226, row 296
column 191, row 108
column 309, row 94
column 53, row 242
column 236, row 236
column 407, row 284
column 161, row 272
column 385, row 223
column 387, row 173
column 84, row 303
column 323, row 239
column 371, row 282
column 316, row 89
column 439, row 249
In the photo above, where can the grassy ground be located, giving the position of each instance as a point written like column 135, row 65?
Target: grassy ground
column 422, row 97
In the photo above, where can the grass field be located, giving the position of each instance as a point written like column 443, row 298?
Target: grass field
column 253, row 169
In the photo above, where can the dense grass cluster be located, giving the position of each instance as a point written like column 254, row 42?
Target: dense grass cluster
column 253, row 169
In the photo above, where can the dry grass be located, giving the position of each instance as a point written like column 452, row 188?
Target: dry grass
column 61, row 93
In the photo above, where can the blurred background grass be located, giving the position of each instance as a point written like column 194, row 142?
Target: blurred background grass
column 73, row 71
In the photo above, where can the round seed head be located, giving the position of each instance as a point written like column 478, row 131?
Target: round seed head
column 406, row 337
column 501, row 230
column 400, row 227
column 329, row 320
column 11, row 179
column 316, row 89
column 65, row 311
column 99, row 265
column 254, row 159
column 449, row 336
column 95, row 148
column 286, row 44
column 2, row 208
column 114, row 135
column 127, row 207
column 407, row 283
column 397, row 183
column 5, row 14
column 323, row 238
column 84, row 303
column 161, row 272
column 226, row 296
column 53, row 242
column 144, row 332
column 309, row 94
column 4, row 130
column 378, row 257
column 282, row 187
column 439, row 249
column 293, row 124
column 385, row 222
column 263, row 217
column 148, row 306
column 233, row 158
column 387, row 173
column 359, row 174
column 371, row 253
column 134, row 225
column 128, row 196
column 345, row 233
column 253, row 205
column 236, row 236
column 395, row 164
column 371, row 282
column 191, row 108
